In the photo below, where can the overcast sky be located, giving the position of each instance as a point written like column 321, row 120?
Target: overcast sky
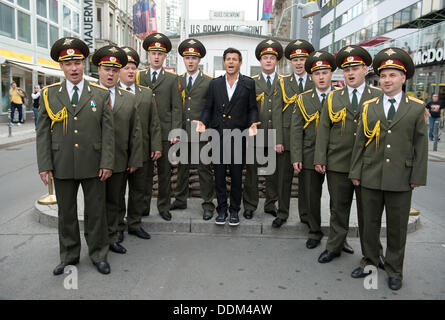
column 199, row 9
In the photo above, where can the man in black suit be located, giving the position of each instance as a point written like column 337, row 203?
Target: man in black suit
column 230, row 104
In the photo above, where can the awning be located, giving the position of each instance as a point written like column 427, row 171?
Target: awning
column 425, row 21
column 373, row 42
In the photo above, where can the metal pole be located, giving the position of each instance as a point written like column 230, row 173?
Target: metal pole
column 126, row 23
column 258, row 10
column 436, row 134
column 333, row 25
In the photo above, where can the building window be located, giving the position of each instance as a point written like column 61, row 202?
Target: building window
column 416, row 10
column 7, row 21
column 23, row 3
column 389, row 23
column 23, row 27
column 66, row 17
column 406, row 15
column 53, row 34
column 76, row 22
column 99, row 23
column 42, row 34
column 426, row 7
column 66, row 33
column 54, row 10
column 41, row 8
column 397, row 19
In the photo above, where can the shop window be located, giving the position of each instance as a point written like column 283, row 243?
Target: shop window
column 54, row 10
column 7, row 21
column 42, row 34
column 23, row 3
column 41, row 8
column 23, row 27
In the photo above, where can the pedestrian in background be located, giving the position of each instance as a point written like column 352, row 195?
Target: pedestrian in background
column 435, row 114
column 35, row 103
column 15, row 96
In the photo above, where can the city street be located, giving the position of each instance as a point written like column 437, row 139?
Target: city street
column 192, row 266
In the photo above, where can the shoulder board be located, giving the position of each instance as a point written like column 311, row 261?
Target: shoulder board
column 338, row 88
column 415, row 100
column 256, row 76
column 52, row 85
column 97, row 85
column 284, row 75
column 207, row 75
column 142, row 87
column 376, row 88
column 307, row 91
column 371, row 100
column 171, row 72
column 120, row 88
column 183, row 75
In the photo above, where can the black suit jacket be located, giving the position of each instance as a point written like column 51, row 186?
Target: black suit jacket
column 238, row 113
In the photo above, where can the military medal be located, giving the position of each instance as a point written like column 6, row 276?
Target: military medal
column 93, row 105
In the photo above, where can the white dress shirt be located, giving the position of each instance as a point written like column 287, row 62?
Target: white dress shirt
column 231, row 90
column 297, row 78
column 112, row 91
column 358, row 93
column 272, row 76
column 70, row 88
column 132, row 87
column 319, row 93
column 193, row 76
column 157, row 73
column 387, row 104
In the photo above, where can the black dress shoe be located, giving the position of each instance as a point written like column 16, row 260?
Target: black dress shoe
column 146, row 214
column 166, row 215
column 394, row 284
column 175, row 207
column 120, row 236
column 61, row 267
column 327, row 256
column 248, row 214
column 207, row 215
column 312, row 243
column 278, row 222
column 140, row 233
column 117, row 248
column 103, row 267
column 221, row 218
column 233, row 219
column 347, row 248
column 271, row 212
column 359, row 273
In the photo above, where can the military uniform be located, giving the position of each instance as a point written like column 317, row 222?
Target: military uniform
column 140, row 182
column 270, row 104
column 291, row 89
column 335, row 139
column 303, row 130
column 168, row 103
column 128, row 140
column 193, row 96
column 75, row 139
column 390, row 154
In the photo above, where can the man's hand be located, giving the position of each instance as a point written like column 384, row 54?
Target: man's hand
column 414, row 185
column 355, row 182
column 43, row 175
column 131, row 169
column 200, row 126
column 298, row 166
column 155, row 155
column 104, row 174
column 279, row 148
column 253, row 129
column 320, row 168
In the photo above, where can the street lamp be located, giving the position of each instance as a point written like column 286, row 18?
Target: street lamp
column 309, row 9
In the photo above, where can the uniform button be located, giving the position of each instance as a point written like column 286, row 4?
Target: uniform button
column 270, row 100
column 224, row 115
column 270, row 120
column 355, row 121
column 387, row 160
column 270, row 110
column 76, row 145
column 389, row 131
column 388, row 146
column 76, row 132
column 230, row 117
column 75, row 118
column 355, row 133
column 188, row 109
column 190, row 98
column 154, row 94
column 188, row 119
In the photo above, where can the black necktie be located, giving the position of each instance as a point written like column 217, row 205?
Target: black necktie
column 153, row 80
column 75, row 97
column 323, row 95
column 354, row 100
column 300, row 85
column 269, row 83
column 392, row 109
column 129, row 89
column 189, row 85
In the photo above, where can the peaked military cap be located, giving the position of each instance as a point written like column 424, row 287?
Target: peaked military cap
column 394, row 58
column 157, row 42
column 318, row 60
column 269, row 46
column 110, row 56
column 192, row 47
column 352, row 55
column 298, row 48
column 132, row 55
column 69, row 48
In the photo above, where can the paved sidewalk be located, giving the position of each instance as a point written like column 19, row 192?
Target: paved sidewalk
column 19, row 134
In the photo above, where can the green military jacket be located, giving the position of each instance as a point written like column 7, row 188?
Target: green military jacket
column 166, row 98
column 270, row 106
column 82, row 142
column 304, row 126
column 127, row 131
column 337, row 129
column 397, row 153
column 193, row 102
column 290, row 92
